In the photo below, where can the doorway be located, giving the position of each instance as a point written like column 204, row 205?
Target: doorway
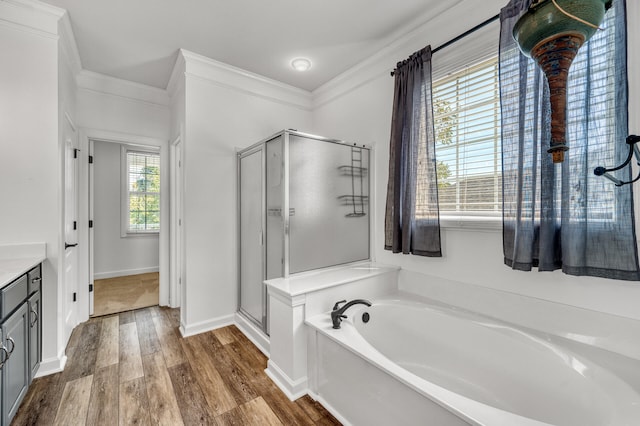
column 124, row 206
column 126, row 226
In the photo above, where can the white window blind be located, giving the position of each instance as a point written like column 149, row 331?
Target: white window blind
column 143, row 191
column 466, row 107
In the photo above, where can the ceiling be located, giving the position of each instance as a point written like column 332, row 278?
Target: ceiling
column 138, row 40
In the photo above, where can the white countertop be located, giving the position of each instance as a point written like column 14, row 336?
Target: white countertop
column 308, row 282
column 17, row 259
column 10, row 269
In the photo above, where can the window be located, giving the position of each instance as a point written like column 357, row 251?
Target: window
column 466, row 107
column 142, row 179
column 467, row 124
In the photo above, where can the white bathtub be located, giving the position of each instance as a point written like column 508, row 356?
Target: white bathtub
column 420, row 363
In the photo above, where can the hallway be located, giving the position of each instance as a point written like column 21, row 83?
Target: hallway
column 119, row 294
column 135, row 367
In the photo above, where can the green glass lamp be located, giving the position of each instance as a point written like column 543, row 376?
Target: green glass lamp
column 551, row 32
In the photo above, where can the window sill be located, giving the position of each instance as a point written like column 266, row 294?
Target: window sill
column 471, row 223
column 140, row 234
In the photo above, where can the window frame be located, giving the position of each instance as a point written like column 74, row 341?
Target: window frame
column 125, row 231
column 468, row 53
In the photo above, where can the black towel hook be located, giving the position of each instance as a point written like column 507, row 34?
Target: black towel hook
column 632, row 140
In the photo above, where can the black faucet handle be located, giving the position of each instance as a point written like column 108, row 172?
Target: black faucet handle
column 337, row 305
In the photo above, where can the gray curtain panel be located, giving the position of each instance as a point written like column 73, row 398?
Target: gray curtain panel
column 563, row 216
column 412, row 163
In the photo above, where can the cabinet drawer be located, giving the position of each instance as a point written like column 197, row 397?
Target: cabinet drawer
column 13, row 295
column 34, row 278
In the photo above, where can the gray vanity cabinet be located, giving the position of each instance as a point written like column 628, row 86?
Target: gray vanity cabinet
column 20, row 340
column 15, row 371
column 35, row 333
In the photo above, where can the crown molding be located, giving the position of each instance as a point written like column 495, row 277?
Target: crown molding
column 68, row 44
column 39, row 6
column 176, row 80
column 228, row 76
column 104, row 84
column 33, row 16
column 435, row 27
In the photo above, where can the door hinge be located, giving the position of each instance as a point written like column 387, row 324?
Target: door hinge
column 90, row 288
column 75, row 225
column 74, row 296
column 75, row 152
column 91, row 224
column 91, row 159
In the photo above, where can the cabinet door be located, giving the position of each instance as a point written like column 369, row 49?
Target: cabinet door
column 15, row 373
column 35, row 334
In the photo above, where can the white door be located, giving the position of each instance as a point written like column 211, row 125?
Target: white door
column 70, row 267
column 91, row 234
column 176, row 225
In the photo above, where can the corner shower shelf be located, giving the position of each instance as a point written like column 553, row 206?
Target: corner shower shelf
column 357, row 199
column 349, row 200
column 352, row 171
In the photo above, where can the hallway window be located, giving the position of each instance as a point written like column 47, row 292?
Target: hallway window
column 143, row 191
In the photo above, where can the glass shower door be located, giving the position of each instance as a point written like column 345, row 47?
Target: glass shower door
column 252, row 293
column 329, row 204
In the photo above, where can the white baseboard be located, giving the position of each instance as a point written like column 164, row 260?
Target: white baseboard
column 256, row 336
column 293, row 389
column 51, row 365
column 187, row 330
column 124, row 272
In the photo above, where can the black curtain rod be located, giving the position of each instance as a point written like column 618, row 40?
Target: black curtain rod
column 461, row 36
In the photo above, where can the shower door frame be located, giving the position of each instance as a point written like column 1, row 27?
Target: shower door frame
column 260, row 147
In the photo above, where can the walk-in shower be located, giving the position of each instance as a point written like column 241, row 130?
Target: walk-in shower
column 322, row 186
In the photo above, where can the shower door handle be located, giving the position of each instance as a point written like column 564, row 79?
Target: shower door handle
column 260, row 238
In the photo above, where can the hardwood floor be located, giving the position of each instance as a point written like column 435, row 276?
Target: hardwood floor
column 134, row 368
column 119, row 294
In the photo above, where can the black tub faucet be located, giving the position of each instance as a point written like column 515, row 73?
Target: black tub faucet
column 337, row 314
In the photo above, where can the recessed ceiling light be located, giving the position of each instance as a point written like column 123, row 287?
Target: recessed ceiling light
column 301, row 64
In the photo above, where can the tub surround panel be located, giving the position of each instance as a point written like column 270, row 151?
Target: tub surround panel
column 287, row 362
column 293, row 299
column 358, row 393
column 605, row 331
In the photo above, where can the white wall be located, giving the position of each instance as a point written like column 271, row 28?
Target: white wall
column 122, row 114
column 29, row 164
column 219, row 119
column 357, row 107
column 115, row 255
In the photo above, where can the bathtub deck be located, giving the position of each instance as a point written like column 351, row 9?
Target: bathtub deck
column 135, row 368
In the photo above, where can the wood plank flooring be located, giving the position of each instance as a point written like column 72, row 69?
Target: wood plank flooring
column 134, row 368
column 119, row 294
